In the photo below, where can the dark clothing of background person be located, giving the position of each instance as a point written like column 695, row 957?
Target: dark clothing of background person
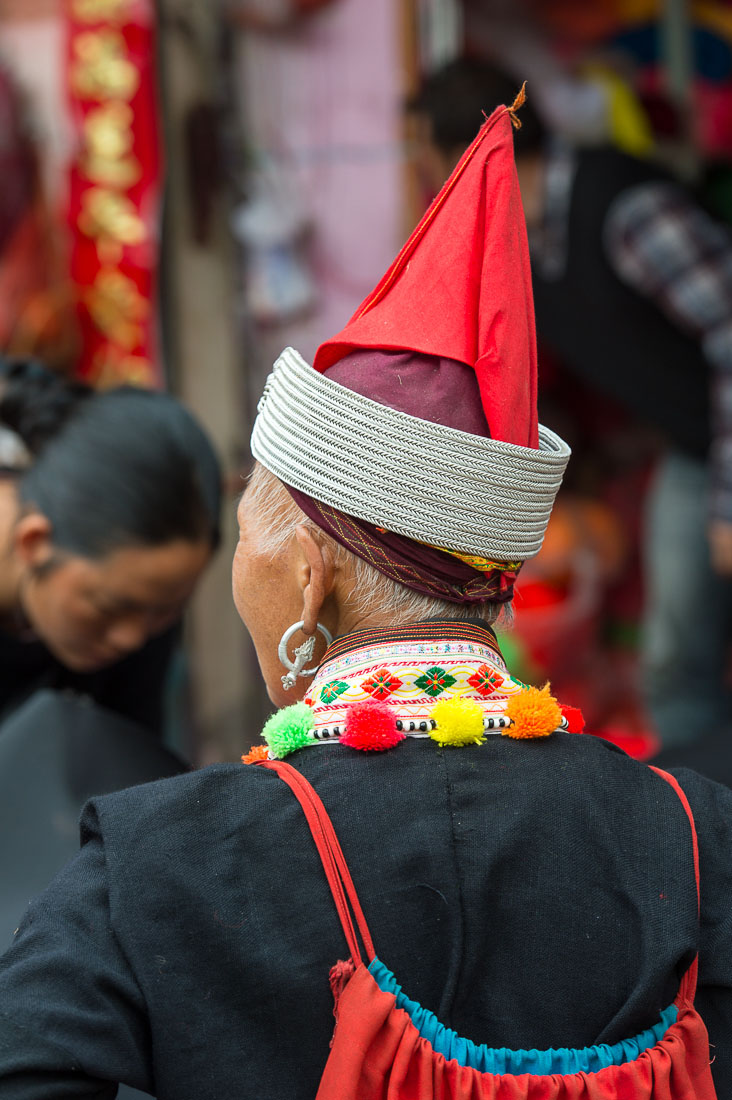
column 619, row 342
column 94, row 755
column 133, row 687
column 57, row 750
column 531, row 894
column 633, row 293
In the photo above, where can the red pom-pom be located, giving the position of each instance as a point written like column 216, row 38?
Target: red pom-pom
column 575, row 718
column 371, row 726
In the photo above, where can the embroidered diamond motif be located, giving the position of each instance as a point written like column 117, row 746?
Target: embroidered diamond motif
column 330, row 692
column 434, row 681
column 382, row 684
column 486, row 680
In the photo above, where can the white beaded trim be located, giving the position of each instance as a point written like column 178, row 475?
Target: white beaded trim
column 426, row 481
column 415, row 727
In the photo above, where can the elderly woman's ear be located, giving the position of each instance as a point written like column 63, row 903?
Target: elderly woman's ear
column 317, row 576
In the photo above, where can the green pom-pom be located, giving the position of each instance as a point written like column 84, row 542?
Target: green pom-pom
column 289, row 729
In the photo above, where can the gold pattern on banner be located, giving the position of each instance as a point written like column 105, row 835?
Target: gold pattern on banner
column 111, row 173
column 108, row 131
column 111, row 217
column 105, row 79
column 117, row 308
column 101, row 68
column 95, row 11
column 107, row 159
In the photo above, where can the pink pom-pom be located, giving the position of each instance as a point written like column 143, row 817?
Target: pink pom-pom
column 371, row 726
column 575, row 718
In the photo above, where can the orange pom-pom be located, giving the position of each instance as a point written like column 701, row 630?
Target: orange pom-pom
column 533, row 713
column 575, row 718
column 371, row 726
column 259, row 752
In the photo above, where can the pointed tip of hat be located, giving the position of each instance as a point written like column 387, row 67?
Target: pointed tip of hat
column 461, row 286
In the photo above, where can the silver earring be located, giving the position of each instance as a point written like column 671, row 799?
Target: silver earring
column 303, row 653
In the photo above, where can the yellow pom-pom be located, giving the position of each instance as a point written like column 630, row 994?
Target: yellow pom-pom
column 459, row 722
column 533, row 712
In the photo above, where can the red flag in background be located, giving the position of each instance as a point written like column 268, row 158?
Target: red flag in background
column 114, row 187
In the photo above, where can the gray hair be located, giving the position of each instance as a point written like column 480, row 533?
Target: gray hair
column 372, row 592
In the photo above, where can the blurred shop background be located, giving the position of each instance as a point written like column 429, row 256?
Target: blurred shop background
column 189, row 186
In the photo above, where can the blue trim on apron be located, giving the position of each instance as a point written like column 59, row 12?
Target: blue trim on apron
column 501, row 1060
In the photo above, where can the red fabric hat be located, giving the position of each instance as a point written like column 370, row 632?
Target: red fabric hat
column 460, row 289
column 433, row 467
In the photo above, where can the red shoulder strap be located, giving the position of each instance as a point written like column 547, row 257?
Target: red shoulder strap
column 331, row 856
column 688, row 983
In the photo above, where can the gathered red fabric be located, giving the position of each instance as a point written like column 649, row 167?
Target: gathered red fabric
column 377, row 1053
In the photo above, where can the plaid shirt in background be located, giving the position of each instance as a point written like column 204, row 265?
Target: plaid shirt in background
column 667, row 248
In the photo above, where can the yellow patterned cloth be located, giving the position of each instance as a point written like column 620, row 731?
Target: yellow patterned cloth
column 483, row 565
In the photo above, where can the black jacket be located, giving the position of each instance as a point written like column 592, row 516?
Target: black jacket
column 532, row 894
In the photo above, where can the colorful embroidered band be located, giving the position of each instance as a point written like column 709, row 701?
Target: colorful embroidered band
column 428, row 662
column 445, row 681
column 426, row 569
column 473, row 631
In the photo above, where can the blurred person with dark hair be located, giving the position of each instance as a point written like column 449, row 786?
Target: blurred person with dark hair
column 108, row 515
column 449, row 106
column 633, row 294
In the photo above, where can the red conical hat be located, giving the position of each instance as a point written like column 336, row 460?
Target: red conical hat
column 461, row 288
column 414, row 442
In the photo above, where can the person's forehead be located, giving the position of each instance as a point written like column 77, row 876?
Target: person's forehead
column 149, row 572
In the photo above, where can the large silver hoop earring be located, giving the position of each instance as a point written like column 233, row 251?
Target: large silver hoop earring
column 303, row 653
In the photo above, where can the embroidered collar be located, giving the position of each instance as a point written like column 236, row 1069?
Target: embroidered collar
column 444, row 680
column 410, row 668
column 474, row 630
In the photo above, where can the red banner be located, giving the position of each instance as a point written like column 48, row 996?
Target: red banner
column 114, row 192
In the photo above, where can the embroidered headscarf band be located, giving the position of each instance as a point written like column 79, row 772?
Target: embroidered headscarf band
column 425, row 569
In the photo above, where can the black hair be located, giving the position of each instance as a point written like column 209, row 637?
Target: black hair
column 122, row 467
column 456, row 96
column 36, row 402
